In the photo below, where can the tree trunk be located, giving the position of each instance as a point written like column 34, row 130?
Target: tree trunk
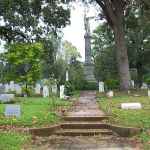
column 122, row 56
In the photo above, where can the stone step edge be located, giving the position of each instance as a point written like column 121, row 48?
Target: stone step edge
column 84, row 118
column 84, row 125
column 120, row 130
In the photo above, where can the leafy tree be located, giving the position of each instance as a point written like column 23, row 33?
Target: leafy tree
column 29, row 20
column 51, row 45
column 76, row 75
column 137, row 31
column 23, row 62
column 70, row 51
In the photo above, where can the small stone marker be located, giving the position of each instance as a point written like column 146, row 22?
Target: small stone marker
column 148, row 93
column 6, row 97
column 62, row 89
column 131, row 106
column 110, row 94
column 45, row 91
column 101, row 87
column 12, row 86
column 144, row 86
column 38, row 89
column 132, row 83
column 67, row 75
column 7, row 88
column 18, row 89
column 12, row 110
column 54, row 88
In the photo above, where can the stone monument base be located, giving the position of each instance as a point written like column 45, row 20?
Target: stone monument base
column 89, row 77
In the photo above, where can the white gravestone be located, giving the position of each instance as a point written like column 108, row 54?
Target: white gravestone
column 148, row 93
column 67, row 75
column 45, row 91
column 131, row 106
column 132, row 83
column 7, row 87
column 62, row 89
column 101, row 87
column 12, row 110
column 54, row 88
column 18, row 89
column 37, row 89
column 110, row 94
column 12, row 86
column 144, row 86
column 6, row 97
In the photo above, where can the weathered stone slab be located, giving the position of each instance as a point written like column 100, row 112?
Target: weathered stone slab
column 6, row 97
column 12, row 110
column 45, row 91
column 131, row 106
column 110, row 94
column 62, row 90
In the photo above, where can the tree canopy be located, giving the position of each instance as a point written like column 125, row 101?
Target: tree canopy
column 29, row 20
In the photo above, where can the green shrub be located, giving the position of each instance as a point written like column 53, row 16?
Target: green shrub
column 147, row 79
column 69, row 88
column 27, row 90
column 112, row 84
column 90, row 86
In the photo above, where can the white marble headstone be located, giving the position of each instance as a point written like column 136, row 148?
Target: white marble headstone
column 62, row 90
column 6, row 97
column 131, row 106
column 45, row 91
column 101, row 86
column 144, row 86
column 148, row 93
column 7, row 87
column 12, row 110
column 12, row 86
column 67, row 75
column 110, row 94
column 37, row 89
column 54, row 88
column 132, row 83
column 18, row 89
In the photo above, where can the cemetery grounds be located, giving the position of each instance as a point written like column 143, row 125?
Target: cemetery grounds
column 129, row 118
column 35, row 112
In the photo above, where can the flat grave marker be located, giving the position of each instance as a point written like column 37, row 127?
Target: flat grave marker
column 12, row 111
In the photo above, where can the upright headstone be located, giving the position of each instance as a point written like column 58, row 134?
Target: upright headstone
column 62, row 89
column 45, row 91
column 144, row 86
column 18, row 89
column 132, row 83
column 2, row 88
column 37, row 89
column 12, row 111
column 110, row 94
column 67, row 75
column 6, row 97
column 12, row 86
column 148, row 93
column 101, row 86
column 7, row 88
column 54, row 88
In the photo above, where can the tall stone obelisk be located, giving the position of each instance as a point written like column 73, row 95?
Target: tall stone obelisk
column 88, row 65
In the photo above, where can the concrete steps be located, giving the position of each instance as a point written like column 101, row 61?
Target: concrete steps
column 85, row 118
column 83, row 132
column 83, row 125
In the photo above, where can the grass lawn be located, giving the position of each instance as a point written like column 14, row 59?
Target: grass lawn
column 34, row 112
column 134, row 118
column 12, row 141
